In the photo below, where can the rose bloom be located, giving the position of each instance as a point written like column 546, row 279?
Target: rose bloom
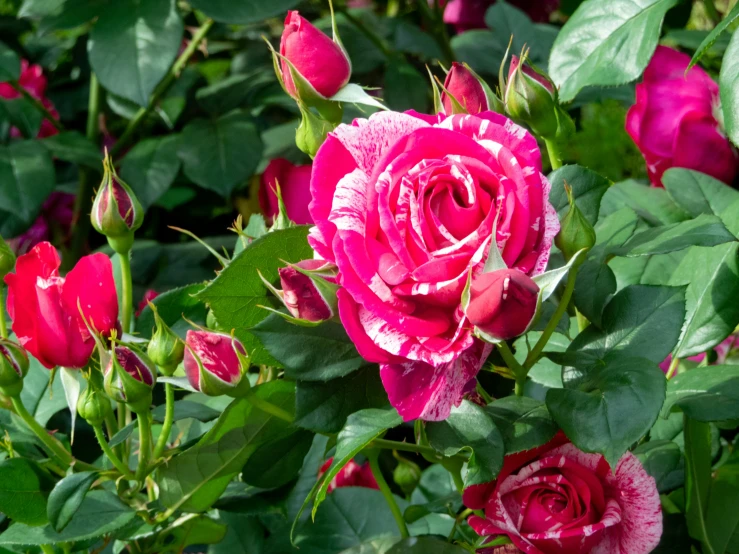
column 404, row 205
column 32, row 79
column 557, row 499
column 351, row 475
column 294, row 181
column 54, row 222
column 674, row 120
column 470, row 14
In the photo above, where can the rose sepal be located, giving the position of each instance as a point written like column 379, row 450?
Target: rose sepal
column 14, row 365
column 123, row 387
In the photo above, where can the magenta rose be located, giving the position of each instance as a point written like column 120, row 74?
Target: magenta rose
column 32, row 79
column 470, row 14
column 351, row 475
column 404, row 205
column 557, row 499
column 673, row 121
column 294, row 183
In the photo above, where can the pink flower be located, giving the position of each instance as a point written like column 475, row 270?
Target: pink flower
column 211, row 362
column 466, row 89
column 470, row 14
column 45, row 307
column 316, row 57
column 674, row 120
column 149, row 295
column 294, row 183
column 404, row 205
column 351, row 475
column 722, row 350
column 32, row 79
column 55, row 220
column 556, row 499
column 301, row 296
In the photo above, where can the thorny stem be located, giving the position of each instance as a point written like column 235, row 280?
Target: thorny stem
column 112, row 456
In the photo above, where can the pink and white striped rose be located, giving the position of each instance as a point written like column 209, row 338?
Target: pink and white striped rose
column 557, row 499
column 404, row 205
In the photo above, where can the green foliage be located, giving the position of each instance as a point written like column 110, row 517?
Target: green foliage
column 66, row 498
column 23, row 491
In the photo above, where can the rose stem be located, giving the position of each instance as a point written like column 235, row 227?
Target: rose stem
column 108, row 451
column 144, row 446
column 373, row 456
column 555, row 156
column 3, row 324
column 518, row 370
column 168, row 420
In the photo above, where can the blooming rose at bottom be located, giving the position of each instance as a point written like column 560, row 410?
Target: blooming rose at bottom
column 557, row 499
column 405, row 205
column 351, row 475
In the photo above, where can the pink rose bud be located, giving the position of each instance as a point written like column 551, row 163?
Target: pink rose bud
column 530, row 97
column 318, row 59
column 673, row 122
column 13, row 366
column 465, row 88
column 300, row 293
column 129, row 377
column 351, row 475
column 213, row 362
column 116, row 212
column 294, row 181
column 502, row 303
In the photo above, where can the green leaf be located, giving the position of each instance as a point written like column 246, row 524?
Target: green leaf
column 722, row 513
column 640, row 321
column 62, row 14
column 195, row 479
column 243, row 11
column 354, row 94
column 361, row 428
column 469, row 426
column 324, row 407
column 277, row 462
column 101, row 513
column 174, row 306
column 66, row 498
column 26, row 180
column 729, row 89
column 186, row 409
column 317, row 353
column 482, row 50
column 349, row 517
column 23, row 491
column 73, row 146
column 588, row 188
column 594, row 287
column 10, row 64
column 236, row 294
column 193, row 529
column 226, row 95
column 405, row 87
column 697, row 477
column 133, row 44
column 608, row 406
column 221, row 154
column 523, row 422
column 705, row 393
column 243, row 534
column 698, row 193
column 712, row 278
column 21, row 113
column 508, row 21
column 713, row 36
column 652, row 204
column 606, row 43
column 704, row 230
column 41, row 396
column 663, row 460
column 425, row 545
column 150, row 168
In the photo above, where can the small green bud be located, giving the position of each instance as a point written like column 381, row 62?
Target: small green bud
column 406, row 474
column 312, row 131
column 93, row 406
column 165, row 348
column 575, row 232
column 13, row 367
column 530, row 97
column 7, row 259
column 116, row 212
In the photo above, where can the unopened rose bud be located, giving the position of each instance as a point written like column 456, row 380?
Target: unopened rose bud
column 13, row 367
column 406, row 475
column 93, row 406
column 530, row 96
column 575, row 232
column 305, row 291
column 116, row 212
column 165, row 348
column 130, row 377
column 502, row 303
column 7, row 259
column 214, row 362
column 319, row 60
column 464, row 88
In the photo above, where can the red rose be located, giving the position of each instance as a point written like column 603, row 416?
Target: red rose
column 294, row 181
column 556, row 499
column 351, row 475
column 32, row 79
column 45, row 308
column 673, row 121
column 320, row 60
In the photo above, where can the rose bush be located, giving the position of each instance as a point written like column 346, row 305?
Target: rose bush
column 405, row 206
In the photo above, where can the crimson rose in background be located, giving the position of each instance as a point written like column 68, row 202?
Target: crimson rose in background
column 32, row 79
column 557, row 499
column 674, row 120
column 470, row 14
column 351, row 475
column 404, row 205
column 54, row 221
column 45, row 307
column 294, row 183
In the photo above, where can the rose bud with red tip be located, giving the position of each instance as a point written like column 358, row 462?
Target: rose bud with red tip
column 213, row 362
column 130, row 377
column 13, row 367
